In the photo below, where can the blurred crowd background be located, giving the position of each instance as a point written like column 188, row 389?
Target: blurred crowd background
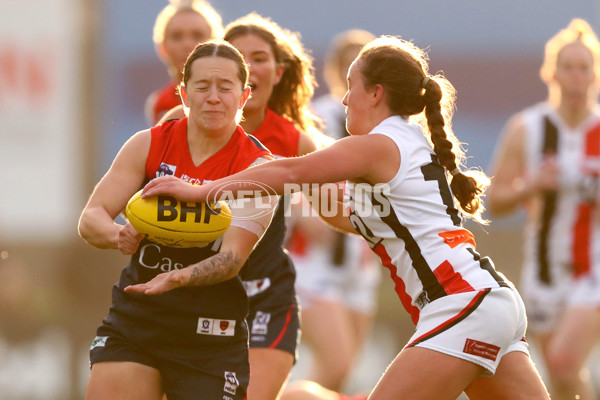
column 74, row 75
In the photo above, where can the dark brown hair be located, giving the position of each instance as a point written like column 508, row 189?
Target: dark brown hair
column 216, row 48
column 401, row 69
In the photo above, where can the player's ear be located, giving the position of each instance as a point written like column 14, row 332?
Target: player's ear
column 377, row 94
column 279, row 70
column 183, row 95
column 162, row 53
column 245, row 96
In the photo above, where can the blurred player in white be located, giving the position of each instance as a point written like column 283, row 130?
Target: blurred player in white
column 549, row 162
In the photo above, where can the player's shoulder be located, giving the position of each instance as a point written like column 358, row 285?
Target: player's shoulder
column 275, row 120
column 517, row 123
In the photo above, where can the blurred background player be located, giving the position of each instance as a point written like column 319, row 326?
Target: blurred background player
column 549, row 162
column 277, row 114
column 337, row 275
column 178, row 28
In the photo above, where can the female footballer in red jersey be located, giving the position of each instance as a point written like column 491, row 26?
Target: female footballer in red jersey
column 192, row 342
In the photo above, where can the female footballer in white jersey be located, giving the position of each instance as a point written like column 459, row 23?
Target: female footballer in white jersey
column 470, row 321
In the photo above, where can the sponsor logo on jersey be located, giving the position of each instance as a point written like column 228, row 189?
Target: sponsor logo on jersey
column 150, row 257
column 99, row 341
column 215, row 327
column 165, row 169
column 256, row 286
column 481, row 349
column 231, row 382
column 260, row 324
column 422, row 300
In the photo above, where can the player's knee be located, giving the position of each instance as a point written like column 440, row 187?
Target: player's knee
column 334, row 377
column 563, row 368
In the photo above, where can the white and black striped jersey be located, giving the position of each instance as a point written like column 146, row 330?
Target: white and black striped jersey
column 562, row 234
column 413, row 225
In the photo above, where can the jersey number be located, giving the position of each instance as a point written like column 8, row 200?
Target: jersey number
column 435, row 172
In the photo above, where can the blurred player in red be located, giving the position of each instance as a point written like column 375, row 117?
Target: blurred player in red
column 178, row 28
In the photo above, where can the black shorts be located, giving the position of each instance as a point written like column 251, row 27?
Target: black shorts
column 275, row 328
column 183, row 379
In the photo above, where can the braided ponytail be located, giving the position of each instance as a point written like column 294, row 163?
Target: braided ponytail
column 467, row 187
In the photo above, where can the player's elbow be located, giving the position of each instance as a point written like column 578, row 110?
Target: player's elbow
column 84, row 227
column 88, row 231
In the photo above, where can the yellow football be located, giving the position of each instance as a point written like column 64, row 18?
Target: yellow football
column 168, row 221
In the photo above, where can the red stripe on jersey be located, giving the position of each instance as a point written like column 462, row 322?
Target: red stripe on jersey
column 399, row 286
column 288, row 318
column 582, row 232
column 473, row 304
column 454, row 238
column 592, row 142
column 451, row 280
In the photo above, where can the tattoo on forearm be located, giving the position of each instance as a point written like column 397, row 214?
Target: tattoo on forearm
column 214, row 269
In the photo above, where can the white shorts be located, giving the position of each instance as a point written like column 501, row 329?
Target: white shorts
column 547, row 303
column 353, row 283
column 480, row 327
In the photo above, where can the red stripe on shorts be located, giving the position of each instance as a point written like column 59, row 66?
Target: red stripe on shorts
column 288, row 318
column 472, row 306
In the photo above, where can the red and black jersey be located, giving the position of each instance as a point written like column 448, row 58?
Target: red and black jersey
column 200, row 317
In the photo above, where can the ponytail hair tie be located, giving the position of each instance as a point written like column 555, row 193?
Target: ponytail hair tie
column 455, row 171
column 426, row 80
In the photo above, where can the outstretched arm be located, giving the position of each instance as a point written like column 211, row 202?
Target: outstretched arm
column 371, row 158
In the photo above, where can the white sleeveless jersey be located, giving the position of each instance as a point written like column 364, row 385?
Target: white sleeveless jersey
column 562, row 232
column 413, row 225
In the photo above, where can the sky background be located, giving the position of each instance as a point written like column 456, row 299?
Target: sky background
column 490, row 51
